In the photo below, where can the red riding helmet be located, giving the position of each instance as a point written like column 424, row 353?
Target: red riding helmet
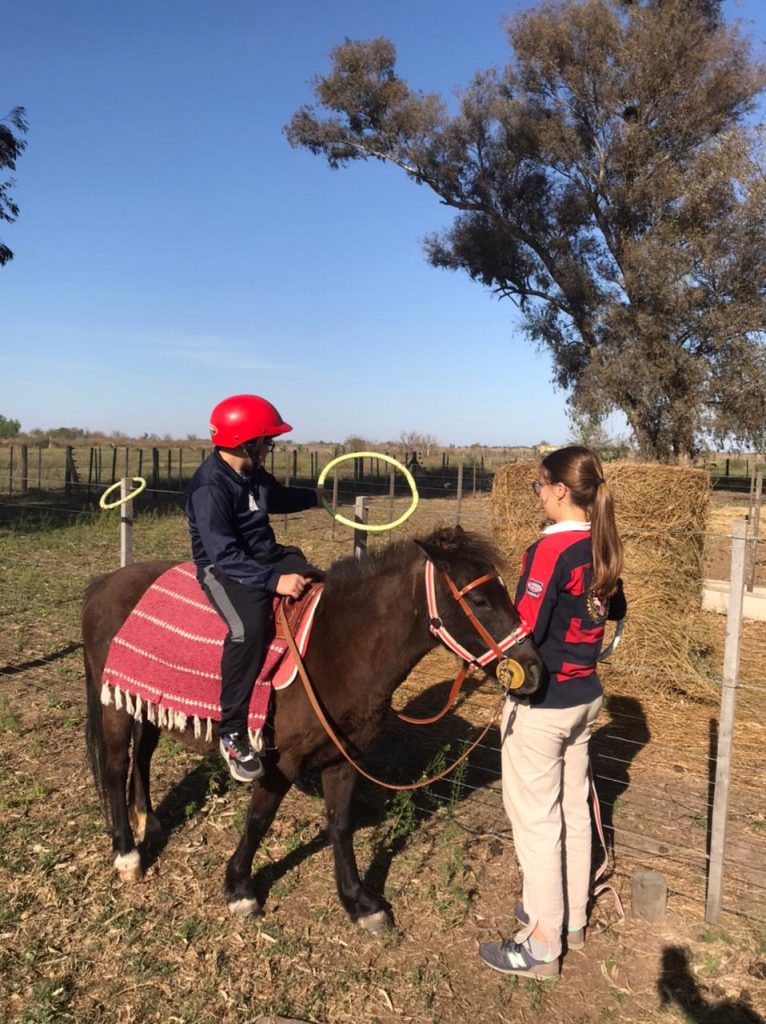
column 242, row 417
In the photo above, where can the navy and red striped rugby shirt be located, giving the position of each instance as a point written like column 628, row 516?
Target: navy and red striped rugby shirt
column 567, row 622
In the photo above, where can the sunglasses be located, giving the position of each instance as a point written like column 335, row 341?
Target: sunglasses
column 260, row 445
column 537, row 486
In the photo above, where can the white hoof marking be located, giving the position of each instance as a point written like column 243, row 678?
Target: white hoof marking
column 244, row 908
column 375, row 923
column 128, row 866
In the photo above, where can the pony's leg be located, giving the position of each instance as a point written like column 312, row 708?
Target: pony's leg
column 117, row 730
column 267, row 795
column 143, row 820
column 338, row 785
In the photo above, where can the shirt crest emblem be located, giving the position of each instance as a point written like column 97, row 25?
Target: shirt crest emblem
column 534, row 588
column 597, row 609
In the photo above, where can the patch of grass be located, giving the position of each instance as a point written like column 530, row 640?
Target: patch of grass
column 9, row 720
column 167, row 745
column 297, row 837
column 279, row 943
column 50, row 1003
column 11, row 909
column 25, row 793
column 537, row 992
column 401, row 818
column 710, row 965
column 716, row 934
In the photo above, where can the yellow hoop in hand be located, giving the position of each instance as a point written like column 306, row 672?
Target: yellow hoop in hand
column 380, row 527
column 121, row 501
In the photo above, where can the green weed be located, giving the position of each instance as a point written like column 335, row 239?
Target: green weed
column 50, row 1003
column 710, row 965
column 9, row 720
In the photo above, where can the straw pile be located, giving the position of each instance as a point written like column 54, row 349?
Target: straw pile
column 662, row 514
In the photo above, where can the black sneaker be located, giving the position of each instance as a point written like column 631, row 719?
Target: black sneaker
column 244, row 764
column 509, row 957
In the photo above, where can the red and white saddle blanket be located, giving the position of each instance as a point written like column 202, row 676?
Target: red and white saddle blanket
column 166, row 658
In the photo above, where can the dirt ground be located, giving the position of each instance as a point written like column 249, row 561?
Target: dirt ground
column 77, row 946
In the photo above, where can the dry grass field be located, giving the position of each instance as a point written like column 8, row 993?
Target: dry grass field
column 76, row 946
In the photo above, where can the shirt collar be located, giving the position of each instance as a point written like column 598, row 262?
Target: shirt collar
column 569, row 524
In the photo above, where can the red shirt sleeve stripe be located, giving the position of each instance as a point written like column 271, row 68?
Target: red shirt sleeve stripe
column 577, row 634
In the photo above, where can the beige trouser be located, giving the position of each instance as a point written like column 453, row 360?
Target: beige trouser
column 545, row 793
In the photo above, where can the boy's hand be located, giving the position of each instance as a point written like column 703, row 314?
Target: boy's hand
column 292, row 584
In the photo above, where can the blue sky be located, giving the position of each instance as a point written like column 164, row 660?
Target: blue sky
column 173, row 249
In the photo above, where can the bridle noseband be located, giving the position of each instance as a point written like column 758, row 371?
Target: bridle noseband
column 496, row 649
column 510, row 674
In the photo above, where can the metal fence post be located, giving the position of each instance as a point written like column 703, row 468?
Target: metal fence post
column 726, row 723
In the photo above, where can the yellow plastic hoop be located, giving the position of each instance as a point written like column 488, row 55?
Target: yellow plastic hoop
column 121, row 501
column 378, row 527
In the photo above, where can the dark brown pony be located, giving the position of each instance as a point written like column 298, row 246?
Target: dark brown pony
column 370, row 629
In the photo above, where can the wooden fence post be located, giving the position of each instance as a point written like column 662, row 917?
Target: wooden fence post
column 391, row 492
column 39, row 467
column 726, row 725
column 114, row 463
column 68, row 470
column 334, row 497
column 10, row 472
column 24, row 469
column 755, row 519
column 126, row 523
column 360, row 516
column 459, row 491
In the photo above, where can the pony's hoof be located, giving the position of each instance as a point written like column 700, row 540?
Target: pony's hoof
column 244, row 908
column 128, row 866
column 375, row 924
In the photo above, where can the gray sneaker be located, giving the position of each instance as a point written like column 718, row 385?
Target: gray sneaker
column 244, row 764
column 574, row 939
column 509, row 957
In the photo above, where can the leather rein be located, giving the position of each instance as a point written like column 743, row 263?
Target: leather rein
column 436, row 626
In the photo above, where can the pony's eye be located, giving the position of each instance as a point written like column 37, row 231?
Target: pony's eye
column 479, row 600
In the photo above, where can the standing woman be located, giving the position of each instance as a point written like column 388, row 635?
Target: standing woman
column 569, row 587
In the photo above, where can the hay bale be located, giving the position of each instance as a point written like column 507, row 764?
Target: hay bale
column 662, row 514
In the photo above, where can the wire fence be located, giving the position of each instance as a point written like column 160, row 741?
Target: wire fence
column 655, row 776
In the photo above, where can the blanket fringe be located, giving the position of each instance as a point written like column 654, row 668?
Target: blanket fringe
column 166, row 718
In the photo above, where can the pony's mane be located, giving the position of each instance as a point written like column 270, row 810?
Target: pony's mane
column 462, row 546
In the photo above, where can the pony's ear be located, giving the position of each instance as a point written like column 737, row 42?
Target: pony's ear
column 442, row 546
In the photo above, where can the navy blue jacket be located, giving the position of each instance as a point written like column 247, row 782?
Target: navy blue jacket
column 228, row 517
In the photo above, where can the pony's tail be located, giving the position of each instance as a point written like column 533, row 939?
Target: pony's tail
column 94, row 735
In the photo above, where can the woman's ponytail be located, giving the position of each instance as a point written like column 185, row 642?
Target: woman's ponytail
column 579, row 469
